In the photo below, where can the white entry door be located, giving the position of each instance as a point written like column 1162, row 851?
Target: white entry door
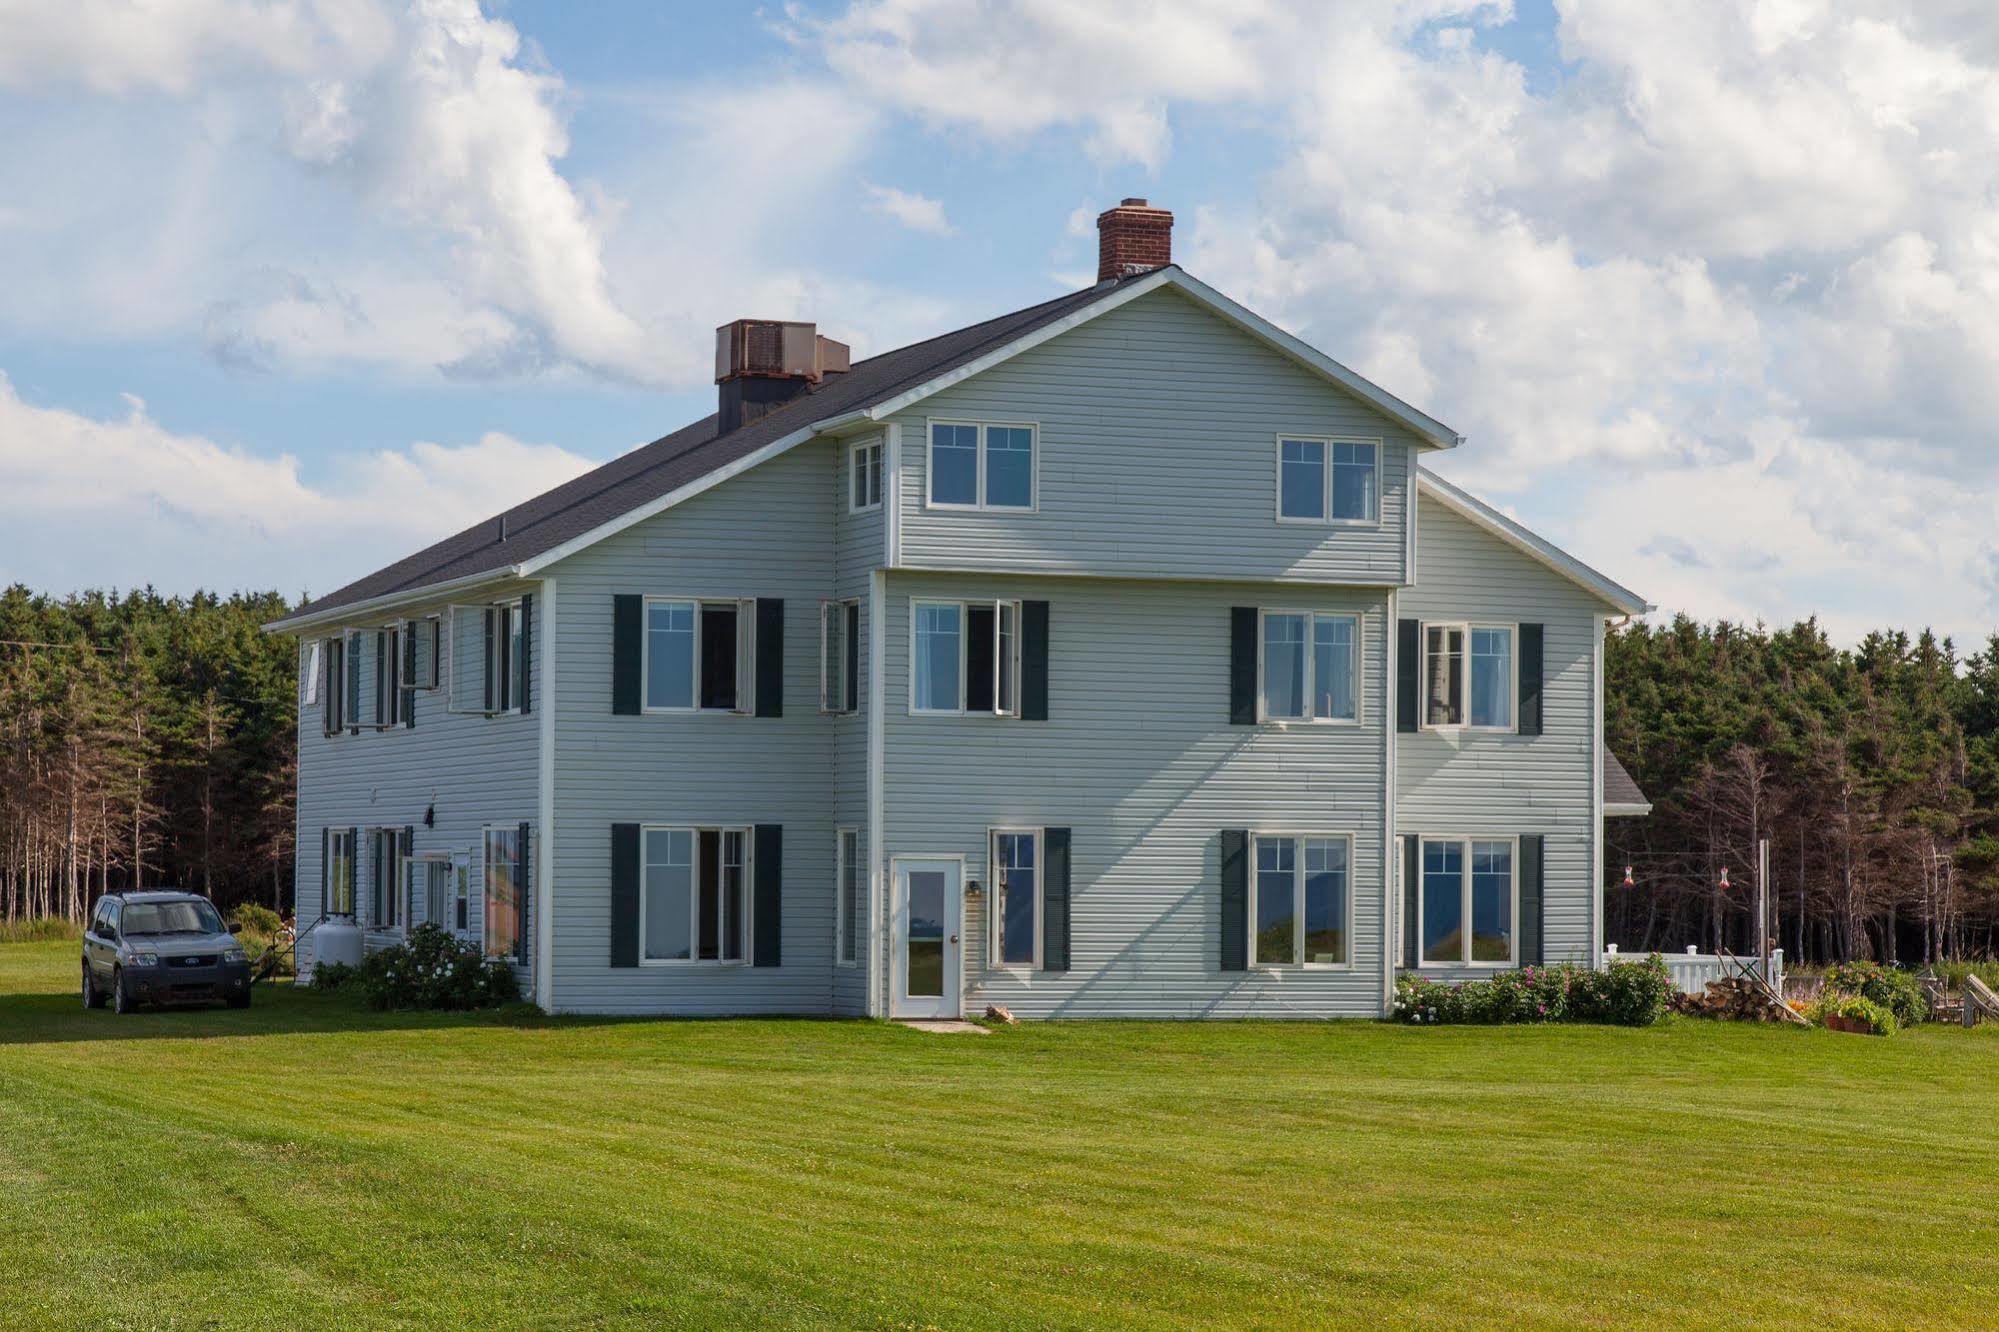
column 929, row 899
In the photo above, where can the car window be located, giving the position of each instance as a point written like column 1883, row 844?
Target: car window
column 144, row 918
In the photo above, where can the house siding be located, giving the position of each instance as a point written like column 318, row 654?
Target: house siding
column 768, row 533
column 473, row 771
column 860, row 548
column 1157, row 458
column 1137, row 758
column 1481, row 782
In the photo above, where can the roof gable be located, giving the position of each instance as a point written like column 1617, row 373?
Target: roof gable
column 1480, row 514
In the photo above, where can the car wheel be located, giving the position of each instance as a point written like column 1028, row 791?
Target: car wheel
column 120, row 1000
column 92, row 996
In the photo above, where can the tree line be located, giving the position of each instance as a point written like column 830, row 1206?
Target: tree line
column 149, row 740
column 1872, row 771
column 144, row 741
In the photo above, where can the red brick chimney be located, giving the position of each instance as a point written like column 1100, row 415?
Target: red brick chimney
column 1133, row 238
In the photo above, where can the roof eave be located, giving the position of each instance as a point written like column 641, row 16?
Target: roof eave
column 357, row 610
column 1476, row 510
column 1626, row 810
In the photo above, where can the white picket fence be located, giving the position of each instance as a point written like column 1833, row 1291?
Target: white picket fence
column 1691, row 970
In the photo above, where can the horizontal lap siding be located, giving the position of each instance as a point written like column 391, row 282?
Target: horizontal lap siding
column 767, row 533
column 1157, row 458
column 1138, row 760
column 859, row 548
column 475, row 770
column 1475, row 783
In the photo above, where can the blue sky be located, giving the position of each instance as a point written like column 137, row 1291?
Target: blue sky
column 295, row 288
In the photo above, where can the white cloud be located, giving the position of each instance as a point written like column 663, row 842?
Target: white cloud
column 180, row 511
column 918, row 212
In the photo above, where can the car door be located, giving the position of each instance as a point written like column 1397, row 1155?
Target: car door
column 101, row 944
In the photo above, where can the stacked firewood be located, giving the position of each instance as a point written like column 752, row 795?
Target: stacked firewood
column 1735, row 999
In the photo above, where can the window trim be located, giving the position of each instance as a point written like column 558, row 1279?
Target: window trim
column 433, row 624
column 1359, row 619
column 965, row 657
column 871, row 470
column 981, row 427
column 1465, row 840
column 506, row 705
column 315, row 649
column 1277, row 477
column 486, row 831
column 1298, row 839
column 694, row 831
column 844, row 921
column 335, row 836
column 850, row 687
column 995, row 961
column 746, row 656
column 426, row 860
column 1423, row 722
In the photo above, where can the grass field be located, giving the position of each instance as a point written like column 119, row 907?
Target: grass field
column 313, row 1165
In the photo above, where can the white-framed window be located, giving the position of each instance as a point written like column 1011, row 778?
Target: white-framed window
column 339, row 873
column 310, row 690
column 423, row 653
column 1468, row 676
column 1469, row 901
column 982, row 465
column 333, row 688
column 385, row 898
column 965, row 657
column 1301, row 898
column 504, row 925
column 850, row 905
column 352, row 662
column 839, row 656
column 1016, row 883
column 429, row 890
column 488, row 667
column 1328, row 480
column 700, row 654
column 864, row 477
column 694, row 895
column 1309, row 666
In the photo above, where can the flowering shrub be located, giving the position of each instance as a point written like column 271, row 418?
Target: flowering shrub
column 1631, row 994
column 1891, row 988
column 432, row 969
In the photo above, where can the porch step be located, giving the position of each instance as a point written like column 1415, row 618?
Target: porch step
column 944, row 1026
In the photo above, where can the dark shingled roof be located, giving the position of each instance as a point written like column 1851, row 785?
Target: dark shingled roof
column 1618, row 786
column 663, row 466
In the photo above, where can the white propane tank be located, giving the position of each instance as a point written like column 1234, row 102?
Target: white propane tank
column 337, row 940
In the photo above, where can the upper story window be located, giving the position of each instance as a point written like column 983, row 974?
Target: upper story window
column 1299, row 905
column 1310, row 667
column 491, row 647
column 1468, row 676
column 1328, row 480
column 700, row 656
column 840, row 656
column 981, row 466
column 965, row 657
column 864, row 477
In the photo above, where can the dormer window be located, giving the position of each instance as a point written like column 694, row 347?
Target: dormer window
column 1328, row 480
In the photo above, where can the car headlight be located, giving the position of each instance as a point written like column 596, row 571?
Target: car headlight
column 235, row 955
column 142, row 959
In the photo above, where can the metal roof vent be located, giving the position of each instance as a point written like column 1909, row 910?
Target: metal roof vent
column 761, row 364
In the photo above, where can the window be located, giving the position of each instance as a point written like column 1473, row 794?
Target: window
column 700, row 655
column 422, row 654
column 1467, row 881
column 334, row 697
column 981, row 466
column 1301, row 478
column 965, row 657
column 388, row 678
column 384, row 899
column 1472, row 687
column 506, row 892
column 489, row 658
column 1328, row 480
column 1016, row 895
column 864, row 479
column 839, row 656
column 850, row 904
column 352, row 663
column 311, row 685
column 340, row 872
column 694, row 895
column 1299, row 901
column 1311, row 667
column 429, row 879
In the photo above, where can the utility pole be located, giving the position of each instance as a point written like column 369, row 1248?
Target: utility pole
column 1763, row 903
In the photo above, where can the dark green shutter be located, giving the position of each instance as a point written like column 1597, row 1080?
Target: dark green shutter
column 1242, row 665
column 381, row 677
column 331, row 684
column 1408, row 673
column 627, row 656
column 524, row 891
column 1034, row 661
column 401, row 888
column 1235, row 899
column 1530, row 679
column 768, row 916
column 325, row 869
column 494, row 648
column 853, row 700
column 625, row 894
column 526, row 701
column 1412, row 866
column 770, row 657
column 1532, row 896
column 354, row 871
column 1055, row 899
column 409, row 674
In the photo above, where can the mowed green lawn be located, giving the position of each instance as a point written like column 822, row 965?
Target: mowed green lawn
column 311, row 1164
